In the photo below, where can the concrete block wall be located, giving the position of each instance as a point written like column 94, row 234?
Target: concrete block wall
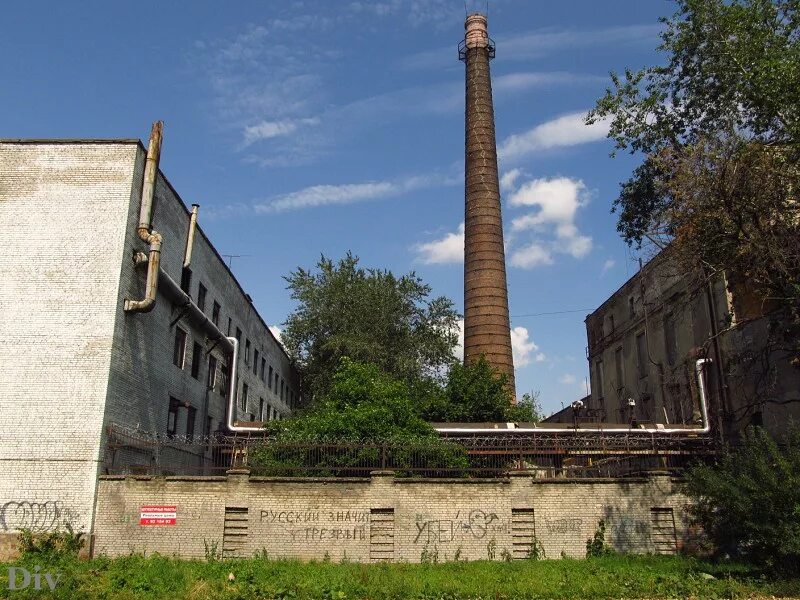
column 383, row 518
column 63, row 209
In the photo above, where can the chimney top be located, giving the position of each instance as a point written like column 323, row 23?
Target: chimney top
column 476, row 35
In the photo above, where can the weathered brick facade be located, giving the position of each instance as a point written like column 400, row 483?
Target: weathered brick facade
column 387, row 518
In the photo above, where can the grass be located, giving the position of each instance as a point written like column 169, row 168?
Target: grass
column 156, row 577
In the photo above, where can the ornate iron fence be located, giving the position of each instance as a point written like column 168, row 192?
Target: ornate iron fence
column 565, row 454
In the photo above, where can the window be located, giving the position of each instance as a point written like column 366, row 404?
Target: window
column 269, row 379
column 599, row 372
column 263, row 368
column 260, row 409
column 255, row 363
column 186, row 279
column 641, row 354
column 670, row 343
column 247, row 352
column 281, row 390
column 172, row 417
column 618, row 368
column 223, row 388
column 201, row 297
column 269, row 412
column 230, row 323
column 239, row 336
column 611, row 322
column 212, row 372
column 197, row 356
column 179, row 350
column 215, row 313
column 243, row 399
column 191, row 415
column 631, row 307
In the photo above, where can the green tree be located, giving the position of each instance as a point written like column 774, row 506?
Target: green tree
column 368, row 315
column 718, row 126
column 749, row 503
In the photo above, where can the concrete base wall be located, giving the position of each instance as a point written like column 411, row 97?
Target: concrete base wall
column 387, row 519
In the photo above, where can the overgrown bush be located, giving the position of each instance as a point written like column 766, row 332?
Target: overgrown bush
column 52, row 544
column 366, row 420
column 749, row 502
column 596, row 545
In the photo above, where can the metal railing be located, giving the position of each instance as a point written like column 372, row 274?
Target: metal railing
column 566, row 454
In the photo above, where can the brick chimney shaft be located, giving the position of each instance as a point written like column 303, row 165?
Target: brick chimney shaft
column 486, row 319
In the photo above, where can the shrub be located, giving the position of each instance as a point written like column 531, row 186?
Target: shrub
column 596, row 545
column 749, row 503
column 53, row 544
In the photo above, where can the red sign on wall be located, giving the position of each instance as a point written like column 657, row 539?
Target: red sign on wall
column 158, row 515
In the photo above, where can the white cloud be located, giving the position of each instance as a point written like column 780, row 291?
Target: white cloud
column 509, row 179
column 271, row 129
column 607, row 266
column 558, row 200
column 530, row 256
column 449, row 249
column 567, row 130
column 522, row 347
column 348, row 193
column 519, row 82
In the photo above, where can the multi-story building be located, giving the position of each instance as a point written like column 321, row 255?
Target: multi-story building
column 644, row 341
column 82, row 353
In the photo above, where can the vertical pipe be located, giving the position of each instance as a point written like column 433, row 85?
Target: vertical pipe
column 187, row 255
column 152, row 237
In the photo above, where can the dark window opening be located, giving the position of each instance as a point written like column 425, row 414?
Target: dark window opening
column 243, row 400
column 670, row 342
column 186, row 279
column 201, row 297
column 212, row 372
column 197, row 357
column 179, row 349
column 641, row 354
column 255, row 363
column 263, row 367
column 247, row 352
column 215, row 309
column 172, row 417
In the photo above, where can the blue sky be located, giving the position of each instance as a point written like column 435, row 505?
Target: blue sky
column 316, row 127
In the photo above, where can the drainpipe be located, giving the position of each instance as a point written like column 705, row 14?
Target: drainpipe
column 187, row 260
column 152, row 237
column 232, row 390
column 705, row 428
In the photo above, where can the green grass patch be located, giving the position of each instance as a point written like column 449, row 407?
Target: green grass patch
column 157, row 577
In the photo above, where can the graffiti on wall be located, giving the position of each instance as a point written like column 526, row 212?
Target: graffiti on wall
column 564, row 525
column 316, row 525
column 474, row 524
column 36, row 516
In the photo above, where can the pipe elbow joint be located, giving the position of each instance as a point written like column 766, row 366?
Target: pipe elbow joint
column 139, row 306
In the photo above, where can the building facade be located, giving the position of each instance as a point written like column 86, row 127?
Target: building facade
column 644, row 341
column 77, row 364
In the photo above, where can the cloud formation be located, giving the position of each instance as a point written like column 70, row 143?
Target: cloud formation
column 265, row 130
column 349, row 193
column 566, row 130
column 558, row 200
column 446, row 250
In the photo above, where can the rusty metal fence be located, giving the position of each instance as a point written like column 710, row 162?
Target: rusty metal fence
column 570, row 453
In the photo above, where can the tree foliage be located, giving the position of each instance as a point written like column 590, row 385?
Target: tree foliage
column 749, row 503
column 719, row 127
column 367, row 315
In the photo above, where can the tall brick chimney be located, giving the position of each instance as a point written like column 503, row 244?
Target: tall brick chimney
column 486, row 320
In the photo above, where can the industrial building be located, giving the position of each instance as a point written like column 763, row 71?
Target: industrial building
column 644, row 342
column 117, row 313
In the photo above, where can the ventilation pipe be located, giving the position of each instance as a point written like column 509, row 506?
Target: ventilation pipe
column 152, row 237
column 703, row 429
column 187, row 255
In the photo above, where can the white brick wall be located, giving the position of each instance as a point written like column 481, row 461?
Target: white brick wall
column 62, row 214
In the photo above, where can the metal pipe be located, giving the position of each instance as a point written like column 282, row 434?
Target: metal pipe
column 232, row 390
column 187, row 255
column 152, row 237
column 706, row 425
